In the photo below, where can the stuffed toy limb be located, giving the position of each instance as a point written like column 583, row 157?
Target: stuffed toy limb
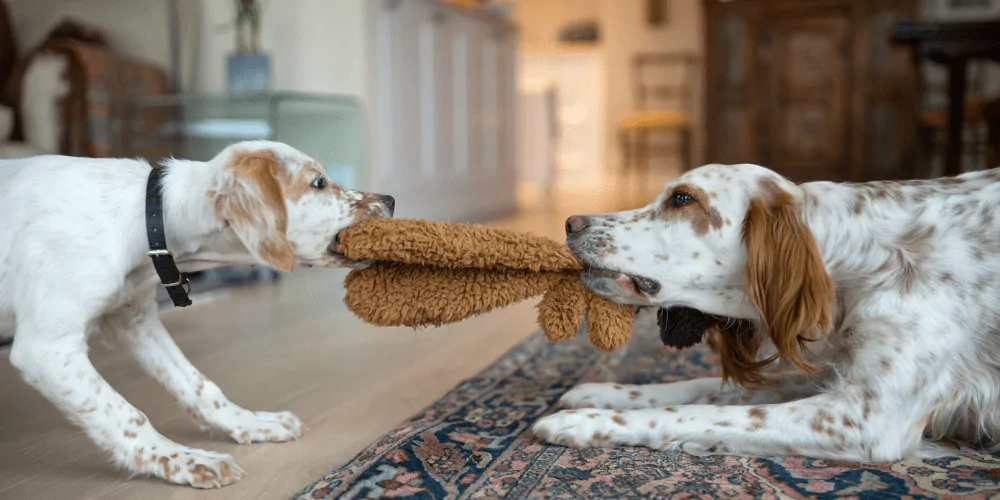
column 432, row 273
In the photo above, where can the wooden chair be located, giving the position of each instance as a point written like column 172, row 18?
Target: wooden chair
column 664, row 85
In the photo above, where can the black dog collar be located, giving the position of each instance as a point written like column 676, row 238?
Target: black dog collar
column 163, row 260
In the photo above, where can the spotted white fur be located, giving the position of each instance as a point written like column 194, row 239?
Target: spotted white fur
column 914, row 352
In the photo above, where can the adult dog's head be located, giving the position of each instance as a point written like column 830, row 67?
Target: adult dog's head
column 283, row 207
column 728, row 241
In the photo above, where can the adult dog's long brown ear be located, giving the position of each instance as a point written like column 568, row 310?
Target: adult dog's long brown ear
column 785, row 278
column 251, row 201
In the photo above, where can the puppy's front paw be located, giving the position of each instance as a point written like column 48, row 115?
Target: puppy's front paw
column 188, row 466
column 606, row 396
column 580, row 428
column 262, row 426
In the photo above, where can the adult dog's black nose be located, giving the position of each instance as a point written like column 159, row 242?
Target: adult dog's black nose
column 389, row 202
column 576, row 223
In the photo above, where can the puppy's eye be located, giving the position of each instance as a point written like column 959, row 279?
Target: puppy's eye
column 678, row 200
column 319, row 183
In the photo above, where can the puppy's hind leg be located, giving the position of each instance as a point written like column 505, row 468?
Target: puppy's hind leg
column 52, row 358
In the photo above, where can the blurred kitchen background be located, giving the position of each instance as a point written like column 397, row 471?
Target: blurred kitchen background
column 478, row 110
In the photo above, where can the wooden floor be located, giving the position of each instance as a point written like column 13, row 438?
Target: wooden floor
column 289, row 346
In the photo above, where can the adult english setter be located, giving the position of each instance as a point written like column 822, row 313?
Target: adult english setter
column 73, row 261
column 894, row 287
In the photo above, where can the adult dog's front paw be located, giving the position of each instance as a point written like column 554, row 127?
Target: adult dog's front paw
column 606, row 396
column 263, row 426
column 581, row 428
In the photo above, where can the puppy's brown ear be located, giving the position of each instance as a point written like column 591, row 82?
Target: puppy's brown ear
column 251, row 201
column 785, row 278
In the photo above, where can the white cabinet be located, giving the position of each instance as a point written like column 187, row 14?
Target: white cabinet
column 443, row 104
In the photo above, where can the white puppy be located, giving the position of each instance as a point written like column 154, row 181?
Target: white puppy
column 73, row 261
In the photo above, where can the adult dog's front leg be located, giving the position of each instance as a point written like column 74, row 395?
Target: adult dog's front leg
column 56, row 364
column 160, row 357
column 699, row 390
column 821, row 426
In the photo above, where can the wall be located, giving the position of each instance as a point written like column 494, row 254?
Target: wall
column 539, row 21
column 317, row 45
column 627, row 34
column 624, row 33
column 139, row 28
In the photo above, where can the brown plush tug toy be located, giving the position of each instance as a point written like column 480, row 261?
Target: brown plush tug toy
column 432, row 273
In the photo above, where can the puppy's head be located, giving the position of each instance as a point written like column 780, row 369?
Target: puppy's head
column 725, row 240
column 285, row 209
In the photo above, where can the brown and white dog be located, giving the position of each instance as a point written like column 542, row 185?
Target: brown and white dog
column 894, row 285
column 73, row 261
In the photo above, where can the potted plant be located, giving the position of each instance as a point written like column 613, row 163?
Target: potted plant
column 249, row 68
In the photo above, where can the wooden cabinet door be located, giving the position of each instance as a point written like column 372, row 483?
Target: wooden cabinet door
column 886, row 117
column 807, row 56
column 733, row 109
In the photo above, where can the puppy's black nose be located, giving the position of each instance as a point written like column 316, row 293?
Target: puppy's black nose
column 389, row 202
column 646, row 285
column 576, row 223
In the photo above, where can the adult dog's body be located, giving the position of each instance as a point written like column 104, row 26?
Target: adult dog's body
column 73, row 261
column 894, row 286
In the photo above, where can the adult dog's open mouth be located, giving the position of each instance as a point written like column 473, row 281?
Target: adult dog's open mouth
column 641, row 283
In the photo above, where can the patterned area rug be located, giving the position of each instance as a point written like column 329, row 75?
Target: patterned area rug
column 473, row 444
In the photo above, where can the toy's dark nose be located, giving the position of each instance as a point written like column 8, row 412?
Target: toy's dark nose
column 389, row 202
column 576, row 223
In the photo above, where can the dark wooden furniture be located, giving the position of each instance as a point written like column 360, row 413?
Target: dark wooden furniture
column 664, row 92
column 953, row 45
column 810, row 88
column 991, row 113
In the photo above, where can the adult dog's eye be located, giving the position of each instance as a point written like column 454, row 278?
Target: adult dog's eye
column 319, row 183
column 678, row 200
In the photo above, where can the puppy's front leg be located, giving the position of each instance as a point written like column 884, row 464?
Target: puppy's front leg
column 160, row 357
column 56, row 365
